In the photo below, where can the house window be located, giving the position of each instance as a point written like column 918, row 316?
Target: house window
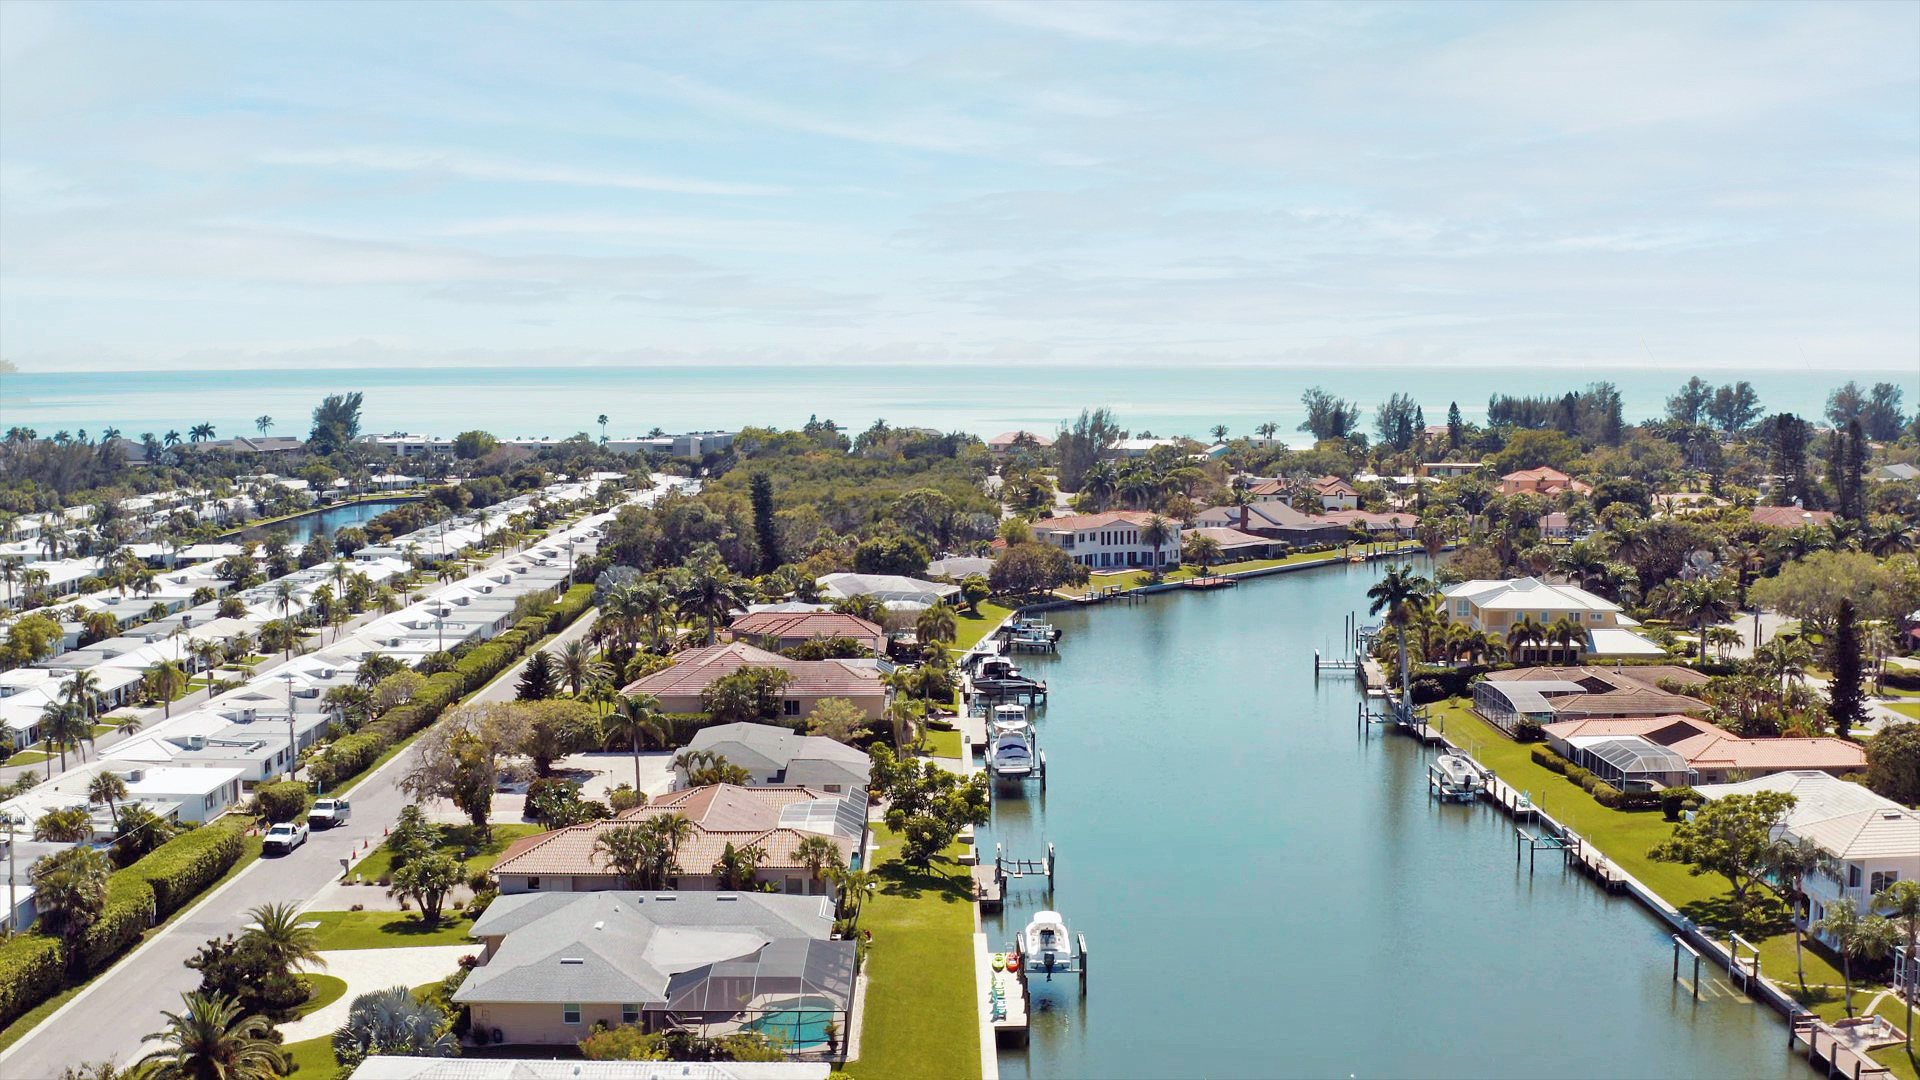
column 1881, row 879
column 629, row 1014
column 570, row 1014
column 833, row 789
column 1853, row 876
column 790, row 707
column 533, row 883
column 796, row 886
column 1460, row 608
column 1595, row 616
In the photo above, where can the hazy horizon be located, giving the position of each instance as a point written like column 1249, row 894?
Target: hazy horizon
column 190, row 186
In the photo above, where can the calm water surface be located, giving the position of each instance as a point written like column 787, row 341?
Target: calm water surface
column 1266, row 893
column 330, row 520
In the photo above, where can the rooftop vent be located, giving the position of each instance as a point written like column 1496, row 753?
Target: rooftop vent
column 573, row 960
column 601, row 925
column 727, row 896
column 666, row 896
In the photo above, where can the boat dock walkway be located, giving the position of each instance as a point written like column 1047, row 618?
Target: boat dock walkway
column 1003, row 998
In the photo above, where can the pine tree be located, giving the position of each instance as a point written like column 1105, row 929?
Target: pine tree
column 1453, row 426
column 764, row 527
column 1854, row 504
column 1845, row 702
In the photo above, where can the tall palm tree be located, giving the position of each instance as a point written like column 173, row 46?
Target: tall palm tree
column 62, row 727
column 171, row 439
column 1792, row 862
column 207, row 652
column 636, row 853
column 200, row 432
column 261, row 423
column 1784, row 658
column 285, row 936
column 936, row 626
column 1562, row 634
column 1157, row 533
column 1699, row 603
column 82, row 689
column 1868, row 937
column 638, row 715
column 213, row 1038
column 579, row 666
column 739, row 868
column 711, row 593
column 165, row 680
column 1396, row 594
column 820, row 856
column 1522, row 634
column 1900, row 902
column 107, row 787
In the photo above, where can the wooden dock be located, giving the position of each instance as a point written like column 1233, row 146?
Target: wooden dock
column 1210, row 583
column 989, row 889
column 1830, row 1051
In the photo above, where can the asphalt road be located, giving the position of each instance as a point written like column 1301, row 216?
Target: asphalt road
column 112, row 1017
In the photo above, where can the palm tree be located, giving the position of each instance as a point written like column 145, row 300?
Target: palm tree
column 261, row 423
column 936, row 626
column 171, row 439
column 636, row 853
column 214, row 1039
column 62, row 727
column 854, row 886
column 165, row 680
column 637, row 715
column 1792, row 862
column 207, row 652
column 1784, row 658
column 603, row 429
column 1157, row 533
column 10, row 570
column 579, row 666
column 1700, row 603
column 82, row 690
column 107, row 787
column 1900, row 902
column 200, row 432
column 1562, row 634
column 820, row 856
column 737, row 868
column 1203, row 551
column 1396, row 594
column 1867, row 937
column 285, row 936
column 1523, row 633
column 711, row 593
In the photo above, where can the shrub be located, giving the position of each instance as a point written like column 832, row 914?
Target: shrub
column 1549, row 760
column 128, row 912
column 1529, row 731
column 285, row 801
column 178, row 869
column 571, row 605
column 1427, row 691
column 1674, row 800
column 478, row 905
column 346, row 757
column 32, row 969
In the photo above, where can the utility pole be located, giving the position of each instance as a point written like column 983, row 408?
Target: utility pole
column 293, row 752
column 13, row 888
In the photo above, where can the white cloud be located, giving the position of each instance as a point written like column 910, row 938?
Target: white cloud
column 480, row 167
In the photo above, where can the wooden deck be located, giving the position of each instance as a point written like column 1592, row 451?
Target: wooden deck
column 988, row 890
column 1828, row 1050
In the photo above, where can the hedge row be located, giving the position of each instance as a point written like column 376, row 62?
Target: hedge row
column 284, row 801
column 129, row 911
column 346, row 757
column 178, row 869
column 32, row 969
column 1603, row 793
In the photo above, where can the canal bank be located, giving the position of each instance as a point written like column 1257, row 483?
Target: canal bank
column 1271, row 893
column 301, row 527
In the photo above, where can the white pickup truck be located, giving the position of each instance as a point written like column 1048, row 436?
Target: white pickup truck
column 284, row 837
column 327, row 813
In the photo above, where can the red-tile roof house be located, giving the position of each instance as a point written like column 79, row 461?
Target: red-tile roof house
column 773, row 819
column 1111, row 540
column 1789, row 517
column 1544, row 480
column 680, row 686
column 1712, row 752
column 1004, row 442
column 786, row 629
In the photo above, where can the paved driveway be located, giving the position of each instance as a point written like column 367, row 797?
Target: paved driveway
column 368, row 970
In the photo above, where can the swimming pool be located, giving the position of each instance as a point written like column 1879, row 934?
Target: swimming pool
column 799, row 1022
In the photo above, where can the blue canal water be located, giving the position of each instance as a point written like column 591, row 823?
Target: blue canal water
column 1266, row 892
column 331, row 520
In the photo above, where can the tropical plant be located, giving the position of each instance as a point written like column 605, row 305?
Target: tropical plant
column 394, row 1022
column 165, row 680
column 70, row 889
column 1855, row 937
column 107, row 787
column 1732, row 837
column 837, row 718
column 285, row 937
column 426, row 880
column 937, row 625
column 1900, row 903
column 213, row 1038
column 1791, row 862
column 1397, row 594
column 580, row 666
column 704, row 767
column 739, row 868
column 821, row 856
column 538, row 679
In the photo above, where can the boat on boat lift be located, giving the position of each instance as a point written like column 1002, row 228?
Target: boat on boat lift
column 1013, row 750
column 1456, row 776
column 1046, row 947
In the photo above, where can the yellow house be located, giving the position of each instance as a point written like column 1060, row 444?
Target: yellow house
column 1496, row 607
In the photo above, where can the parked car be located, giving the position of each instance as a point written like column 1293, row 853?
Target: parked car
column 284, row 837
column 327, row 813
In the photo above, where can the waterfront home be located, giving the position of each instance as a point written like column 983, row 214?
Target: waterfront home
column 392, row 1067
column 679, row 688
column 1007, row 442
column 1446, row 470
column 1789, row 517
column 1111, row 540
column 553, row 965
column 773, row 819
column 784, row 630
column 960, row 567
column 896, row 592
column 1336, row 494
column 1544, row 480
column 1707, row 753
column 775, row 756
column 1495, row 607
column 1873, row 840
column 1395, row 524
column 1236, row 545
column 1274, row 520
column 1543, row 695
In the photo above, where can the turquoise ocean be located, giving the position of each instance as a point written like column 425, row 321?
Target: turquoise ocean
column 980, row 398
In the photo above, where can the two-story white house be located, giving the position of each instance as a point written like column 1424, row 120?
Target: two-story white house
column 1873, row 840
column 1113, row 540
column 1496, row 606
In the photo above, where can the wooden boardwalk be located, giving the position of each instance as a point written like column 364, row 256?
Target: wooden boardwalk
column 1827, row 1050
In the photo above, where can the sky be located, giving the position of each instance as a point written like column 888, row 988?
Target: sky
column 188, row 186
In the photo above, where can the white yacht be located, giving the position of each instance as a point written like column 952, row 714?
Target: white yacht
column 1012, row 748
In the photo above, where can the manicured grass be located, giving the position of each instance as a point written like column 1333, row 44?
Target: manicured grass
column 454, row 838
column 1906, row 708
column 923, row 1012
column 1626, row 837
column 322, row 990
column 945, row 743
column 385, row 929
column 312, row 1058
column 26, row 1021
column 28, row 757
column 1903, row 1065
column 971, row 627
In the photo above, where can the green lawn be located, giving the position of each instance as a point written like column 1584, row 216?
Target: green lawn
column 28, row 757
column 385, row 929
column 973, row 627
column 379, row 861
column 1133, row 579
column 945, row 744
column 312, row 1058
column 1625, row 837
column 322, row 991
column 1906, row 708
column 923, row 1011
column 1903, row 1065
column 26, row 1021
